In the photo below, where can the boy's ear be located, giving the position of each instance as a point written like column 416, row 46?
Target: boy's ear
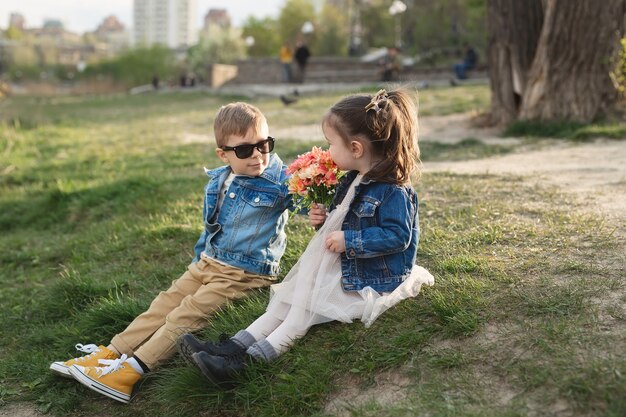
column 221, row 155
column 356, row 147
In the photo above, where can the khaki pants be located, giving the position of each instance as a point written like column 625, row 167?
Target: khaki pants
column 184, row 307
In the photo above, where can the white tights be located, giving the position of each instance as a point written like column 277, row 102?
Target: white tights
column 278, row 328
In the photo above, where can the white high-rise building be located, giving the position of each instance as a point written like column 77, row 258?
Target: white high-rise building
column 166, row 22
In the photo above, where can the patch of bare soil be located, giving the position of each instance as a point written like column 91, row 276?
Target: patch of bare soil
column 388, row 388
column 453, row 128
column 594, row 172
column 19, row 410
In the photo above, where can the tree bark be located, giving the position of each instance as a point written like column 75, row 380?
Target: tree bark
column 514, row 28
column 569, row 77
column 549, row 59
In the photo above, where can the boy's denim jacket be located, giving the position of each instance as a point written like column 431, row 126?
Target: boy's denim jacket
column 381, row 233
column 249, row 232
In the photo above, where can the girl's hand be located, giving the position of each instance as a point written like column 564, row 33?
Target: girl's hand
column 317, row 215
column 335, row 242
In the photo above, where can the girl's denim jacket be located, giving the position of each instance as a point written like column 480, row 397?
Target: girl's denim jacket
column 381, row 232
column 249, row 232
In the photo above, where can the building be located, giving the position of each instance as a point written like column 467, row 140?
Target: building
column 53, row 26
column 171, row 23
column 16, row 20
column 113, row 33
column 110, row 24
column 216, row 17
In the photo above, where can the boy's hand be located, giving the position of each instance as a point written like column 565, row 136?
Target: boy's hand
column 317, row 215
column 335, row 242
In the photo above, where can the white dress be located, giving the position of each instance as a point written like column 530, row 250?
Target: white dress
column 312, row 293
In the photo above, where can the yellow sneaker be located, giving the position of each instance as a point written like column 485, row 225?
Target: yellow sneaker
column 115, row 380
column 95, row 353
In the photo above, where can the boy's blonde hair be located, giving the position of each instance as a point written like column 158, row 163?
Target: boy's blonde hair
column 236, row 119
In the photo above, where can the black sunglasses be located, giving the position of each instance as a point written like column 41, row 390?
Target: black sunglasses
column 245, row 151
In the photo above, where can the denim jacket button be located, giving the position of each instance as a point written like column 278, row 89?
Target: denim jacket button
column 256, row 200
column 352, row 252
column 231, row 195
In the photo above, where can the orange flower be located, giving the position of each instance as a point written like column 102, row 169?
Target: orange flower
column 314, row 176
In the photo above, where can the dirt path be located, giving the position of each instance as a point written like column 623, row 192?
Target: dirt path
column 594, row 171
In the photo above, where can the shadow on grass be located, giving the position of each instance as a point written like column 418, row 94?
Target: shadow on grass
column 48, row 208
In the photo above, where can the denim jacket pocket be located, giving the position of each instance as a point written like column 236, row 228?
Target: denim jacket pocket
column 366, row 207
column 260, row 199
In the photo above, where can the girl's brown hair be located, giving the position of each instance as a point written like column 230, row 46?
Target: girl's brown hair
column 388, row 121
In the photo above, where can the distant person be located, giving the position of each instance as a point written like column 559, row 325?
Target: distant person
column 302, row 55
column 353, row 50
column 390, row 65
column 286, row 57
column 155, row 82
column 470, row 59
column 239, row 250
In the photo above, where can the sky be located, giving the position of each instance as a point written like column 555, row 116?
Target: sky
column 86, row 15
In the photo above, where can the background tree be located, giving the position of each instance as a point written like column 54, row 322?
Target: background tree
column 378, row 25
column 332, row 33
column 14, row 33
column 436, row 29
column 444, row 25
column 265, row 34
column 433, row 29
column 292, row 17
column 136, row 66
column 219, row 45
column 549, row 60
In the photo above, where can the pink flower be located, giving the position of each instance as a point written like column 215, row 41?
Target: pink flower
column 314, row 176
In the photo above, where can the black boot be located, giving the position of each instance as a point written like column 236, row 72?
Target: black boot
column 221, row 370
column 188, row 344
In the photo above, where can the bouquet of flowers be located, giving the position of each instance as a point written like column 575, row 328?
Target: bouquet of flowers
column 314, row 177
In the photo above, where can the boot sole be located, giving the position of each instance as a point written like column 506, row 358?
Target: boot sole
column 209, row 375
column 185, row 350
column 61, row 370
column 98, row 387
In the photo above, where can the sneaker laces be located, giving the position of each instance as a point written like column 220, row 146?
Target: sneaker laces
column 112, row 365
column 90, row 349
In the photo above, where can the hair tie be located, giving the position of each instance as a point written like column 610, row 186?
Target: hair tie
column 375, row 102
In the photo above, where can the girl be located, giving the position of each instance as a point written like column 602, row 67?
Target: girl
column 366, row 245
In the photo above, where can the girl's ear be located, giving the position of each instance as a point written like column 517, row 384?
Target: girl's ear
column 221, row 155
column 356, row 148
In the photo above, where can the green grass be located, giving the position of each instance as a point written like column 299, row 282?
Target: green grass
column 99, row 210
column 567, row 130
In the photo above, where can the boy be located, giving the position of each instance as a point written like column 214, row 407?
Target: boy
column 239, row 250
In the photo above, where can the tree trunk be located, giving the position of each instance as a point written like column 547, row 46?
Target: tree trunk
column 549, row 59
column 569, row 78
column 514, row 27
